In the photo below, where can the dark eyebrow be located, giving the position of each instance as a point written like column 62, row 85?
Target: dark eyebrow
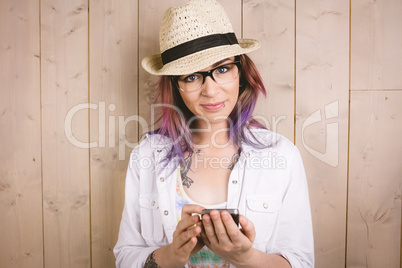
column 216, row 64
column 219, row 62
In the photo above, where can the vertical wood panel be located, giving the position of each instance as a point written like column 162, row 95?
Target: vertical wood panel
column 21, row 240
column 233, row 9
column 150, row 17
column 375, row 185
column 376, row 57
column 374, row 214
column 113, row 89
column 272, row 23
column 64, row 72
column 322, row 64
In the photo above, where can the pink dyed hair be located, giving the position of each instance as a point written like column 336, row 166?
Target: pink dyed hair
column 174, row 122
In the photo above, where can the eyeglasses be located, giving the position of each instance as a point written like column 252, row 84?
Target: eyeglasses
column 222, row 74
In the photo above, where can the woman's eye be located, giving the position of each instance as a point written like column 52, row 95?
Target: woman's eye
column 190, row 78
column 222, row 69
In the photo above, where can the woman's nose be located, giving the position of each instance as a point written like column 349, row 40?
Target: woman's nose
column 210, row 87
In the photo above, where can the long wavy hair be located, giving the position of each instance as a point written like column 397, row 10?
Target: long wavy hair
column 176, row 119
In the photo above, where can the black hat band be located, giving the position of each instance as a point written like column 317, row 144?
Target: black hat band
column 196, row 45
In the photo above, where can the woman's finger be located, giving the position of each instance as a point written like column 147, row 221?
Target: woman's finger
column 187, row 222
column 219, row 227
column 189, row 246
column 189, row 240
column 248, row 227
column 204, row 237
column 231, row 228
column 189, row 209
column 209, row 229
column 185, row 225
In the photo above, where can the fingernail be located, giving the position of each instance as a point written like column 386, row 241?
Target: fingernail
column 244, row 221
column 214, row 215
column 225, row 215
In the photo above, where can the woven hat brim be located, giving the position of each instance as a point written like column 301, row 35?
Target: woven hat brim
column 199, row 60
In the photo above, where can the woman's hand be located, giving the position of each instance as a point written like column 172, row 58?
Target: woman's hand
column 222, row 236
column 185, row 242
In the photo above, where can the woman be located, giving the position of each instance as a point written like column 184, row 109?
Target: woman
column 210, row 153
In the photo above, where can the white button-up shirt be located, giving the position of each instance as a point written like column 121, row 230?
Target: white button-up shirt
column 267, row 185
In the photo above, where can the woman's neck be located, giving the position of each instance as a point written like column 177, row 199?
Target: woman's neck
column 211, row 135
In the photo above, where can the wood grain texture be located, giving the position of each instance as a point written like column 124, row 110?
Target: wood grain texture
column 375, row 185
column 272, row 23
column 322, row 63
column 21, row 240
column 113, row 89
column 64, row 75
column 149, row 21
column 376, row 45
column 61, row 202
column 233, row 9
column 150, row 17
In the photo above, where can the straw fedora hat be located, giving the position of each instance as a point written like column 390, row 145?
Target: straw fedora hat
column 194, row 36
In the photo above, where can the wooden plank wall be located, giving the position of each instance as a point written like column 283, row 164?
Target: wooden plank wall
column 275, row 29
column 113, row 89
column 65, row 168
column 322, row 95
column 375, row 171
column 72, row 88
column 21, row 232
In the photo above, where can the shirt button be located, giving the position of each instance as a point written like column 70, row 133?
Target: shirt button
column 265, row 205
column 248, row 154
column 234, row 182
column 162, row 179
column 166, row 212
column 159, row 151
column 153, row 203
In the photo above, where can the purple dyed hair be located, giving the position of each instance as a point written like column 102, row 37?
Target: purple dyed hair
column 174, row 122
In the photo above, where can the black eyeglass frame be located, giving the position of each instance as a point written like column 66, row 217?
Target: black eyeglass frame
column 237, row 62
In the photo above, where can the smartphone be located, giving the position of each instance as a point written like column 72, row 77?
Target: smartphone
column 233, row 212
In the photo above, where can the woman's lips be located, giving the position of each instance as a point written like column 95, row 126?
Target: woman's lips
column 214, row 106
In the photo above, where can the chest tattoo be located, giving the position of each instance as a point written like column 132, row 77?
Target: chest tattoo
column 185, row 167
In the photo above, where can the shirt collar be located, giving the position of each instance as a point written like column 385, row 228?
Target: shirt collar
column 261, row 136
